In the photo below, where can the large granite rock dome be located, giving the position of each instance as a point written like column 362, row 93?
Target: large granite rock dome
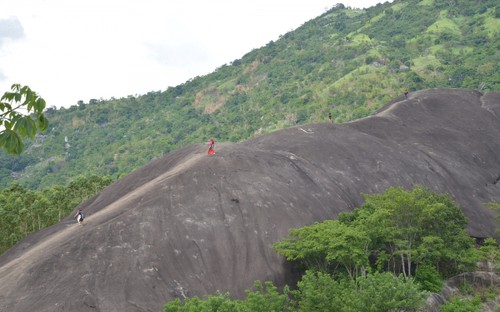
column 190, row 224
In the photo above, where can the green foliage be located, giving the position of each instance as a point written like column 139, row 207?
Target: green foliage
column 490, row 252
column 217, row 303
column 415, row 223
column 325, row 245
column 316, row 292
column 347, row 62
column 396, row 230
column 14, row 123
column 24, row 211
column 457, row 304
column 428, row 278
column 265, row 298
column 385, row 292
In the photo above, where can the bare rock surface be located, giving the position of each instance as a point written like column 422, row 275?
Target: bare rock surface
column 191, row 223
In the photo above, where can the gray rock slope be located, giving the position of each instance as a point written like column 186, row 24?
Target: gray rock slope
column 191, row 224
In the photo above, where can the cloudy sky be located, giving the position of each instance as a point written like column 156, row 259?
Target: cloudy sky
column 83, row 49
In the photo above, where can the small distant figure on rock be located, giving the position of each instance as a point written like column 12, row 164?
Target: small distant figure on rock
column 330, row 116
column 406, row 94
column 80, row 215
column 211, row 145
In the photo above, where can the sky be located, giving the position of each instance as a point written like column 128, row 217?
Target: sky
column 72, row 50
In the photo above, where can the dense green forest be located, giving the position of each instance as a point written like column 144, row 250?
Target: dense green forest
column 347, row 62
column 385, row 256
column 24, row 211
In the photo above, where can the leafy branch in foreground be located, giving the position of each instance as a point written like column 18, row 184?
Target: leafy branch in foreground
column 21, row 115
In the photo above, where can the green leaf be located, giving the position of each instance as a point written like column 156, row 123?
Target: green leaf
column 15, row 87
column 39, row 105
column 14, row 117
column 11, row 142
column 26, row 126
column 9, row 96
column 7, row 107
column 42, row 122
column 28, row 97
column 7, row 124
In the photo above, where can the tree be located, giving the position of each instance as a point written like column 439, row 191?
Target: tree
column 418, row 227
column 490, row 252
column 23, row 211
column 386, row 292
column 397, row 230
column 327, row 244
column 319, row 291
column 21, row 115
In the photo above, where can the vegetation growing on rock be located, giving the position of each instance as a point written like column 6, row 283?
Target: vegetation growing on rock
column 385, row 256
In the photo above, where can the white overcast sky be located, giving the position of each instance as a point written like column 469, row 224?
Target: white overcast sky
column 70, row 50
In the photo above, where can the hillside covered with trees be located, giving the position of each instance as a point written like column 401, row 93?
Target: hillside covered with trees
column 347, row 62
column 24, row 211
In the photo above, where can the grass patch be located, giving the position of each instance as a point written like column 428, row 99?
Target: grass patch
column 398, row 6
column 424, row 62
column 227, row 86
column 357, row 39
column 426, row 3
column 347, row 80
column 354, row 12
column 491, row 24
column 372, row 21
column 367, row 79
column 374, row 53
column 444, row 24
column 460, row 50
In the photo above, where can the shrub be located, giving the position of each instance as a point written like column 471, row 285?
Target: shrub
column 429, row 278
column 461, row 305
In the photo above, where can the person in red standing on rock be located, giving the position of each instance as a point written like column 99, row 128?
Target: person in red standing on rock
column 211, row 145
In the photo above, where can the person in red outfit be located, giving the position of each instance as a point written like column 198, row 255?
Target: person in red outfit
column 211, row 145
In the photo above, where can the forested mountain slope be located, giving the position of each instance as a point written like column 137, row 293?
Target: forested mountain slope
column 347, row 62
column 191, row 224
